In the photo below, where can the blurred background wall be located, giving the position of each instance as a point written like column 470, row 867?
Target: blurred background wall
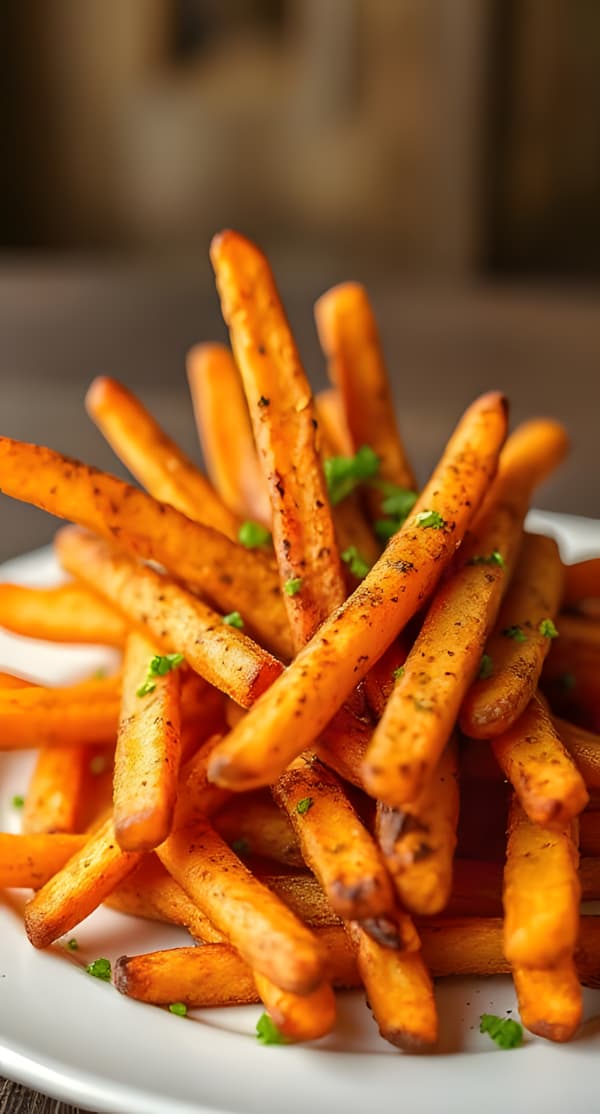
column 439, row 137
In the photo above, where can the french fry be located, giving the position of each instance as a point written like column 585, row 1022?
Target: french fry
column 68, row 613
column 30, row 860
column 271, row 939
column 12, row 681
column 349, row 337
column 84, row 713
column 418, row 843
column 477, row 884
column 543, row 774
column 519, row 644
column 153, row 458
column 257, row 826
column 400, row 993
column 228, row 447
column 174, row 617
column 589, row 833
column 298, row 1017
column 330, row 410
column 541, row 893
column 343, row 743
column 584, row 747
column 550, row 1000
column 54, row 799
column 299, row 705
column 283, row 419
column 149, row 891
column 582, row 581
column 422, row 710
column 150, row 530
column 148, row 750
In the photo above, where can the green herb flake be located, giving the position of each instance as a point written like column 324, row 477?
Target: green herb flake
column 304, row 805
column 267, row 1031
column 385, row 528
column 398, row 673
column 343, row 473
column 503, row 1030
column 18, row 801
column 100, row 969
column 516, row 633
column 486, row 667
column 146, row 688
column 240, row 846
column 99, row 674
column 252, row 535
column 293, row 586
column 547, row 629
column 234, row 619
column 430, row 520
column 160, row 665
column 357, row 564
column 494, row 558
column 178, row 1008
column 72, row 945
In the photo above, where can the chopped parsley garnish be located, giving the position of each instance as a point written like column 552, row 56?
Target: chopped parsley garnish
column 18, row 801
column 178, row 1008
column 503, row 1030
column 357, row 564
column 72, row 945
column 430, row 520
column 253, row 535
column 234, row 619
column 486, row 667
column 160, row 665
column 397, row 505
column 493, row 558
column 398, row 673
column 240, row 846
column 516, row 633
column 99, row 674
column 100, row 969
column 547, row 629
column 343, row 473
column 293, row 586
column 385, row 528
column 267, row 1031
column 304, row 805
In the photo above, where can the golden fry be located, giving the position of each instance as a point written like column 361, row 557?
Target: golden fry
column 550, row 1000
column 30, row 860
column 84, row 713
column 68, row 613
column 256, row 826
column 584, row 747
column 54, row 798
column 149, row 891
column 582, row 581
column 298, row 1017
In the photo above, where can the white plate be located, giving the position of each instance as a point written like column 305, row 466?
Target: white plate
column 76, row 1038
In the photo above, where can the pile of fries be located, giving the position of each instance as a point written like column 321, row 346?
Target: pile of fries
column 320, row 665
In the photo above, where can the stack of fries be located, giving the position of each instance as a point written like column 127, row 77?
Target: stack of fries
column 319, row 664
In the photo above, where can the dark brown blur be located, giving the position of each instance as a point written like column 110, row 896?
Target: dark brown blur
column 446, row 152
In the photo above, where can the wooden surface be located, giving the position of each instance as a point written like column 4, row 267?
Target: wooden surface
column 62, row 325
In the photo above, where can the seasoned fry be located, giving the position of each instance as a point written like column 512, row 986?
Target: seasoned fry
column 85, row 713
column 298, row 1017
column 550, row 1000
column 153, row 458
column 582, row 581
column 294, row 712
column 332, row 419
column 519, row 644
column 150, row 530
column 541, row 893
column 544, row 776
column 30, row 860
column 228, row 447
column 259, row 827
column 282, row 415
column 148, row 750
column 174, row 617
column 68, row 613
column 349, row 337
column 343, row 744
column 264, row 931
column 422, row 710
column 54, row 799
column 12, row 681
column 149, row 891
column 584, row 747
column 418, row 842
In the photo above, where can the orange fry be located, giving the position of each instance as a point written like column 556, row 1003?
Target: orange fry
column 174, row 617
column 298, row 706
column 550, row 1000
column 298, row 1017
column 149, row 891
column 582, row 581
column 68, row 613
column 228, row 446
column 36, row 716
column 584, row 747
column 153, row 458
column 30, row 860
column 259, row 827
column 54, row 798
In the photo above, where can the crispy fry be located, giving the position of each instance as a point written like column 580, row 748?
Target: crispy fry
column 263, row 930
column 550, row 1000
column 334, row 843
column 422, row 710
column 30, row 860
column 257, row 826
column 149, row 891
column 153, row 458
column 148, row 751
column 519, row 644
column 282, row 414
column 85, row 713
column 174, row 617
column 54, row 799
column 541, row 893
column 400, row 993
column 330, row 410
column 300, row 703
column 298, row 1017
column 584, row 747
column 228, row 447
column 544, row 776
column 68, row 613
column 349, row 337
column 418, row 843
column 150, row 530
column 582, row 581
column 343, row 744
